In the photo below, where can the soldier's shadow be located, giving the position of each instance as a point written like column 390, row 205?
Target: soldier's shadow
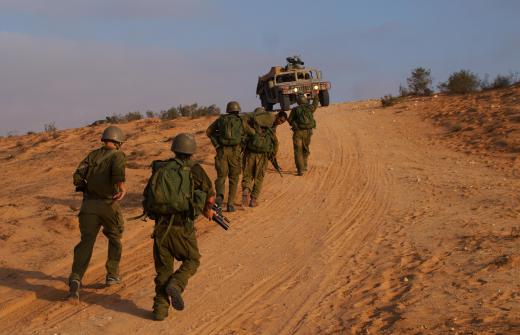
column 46, row 287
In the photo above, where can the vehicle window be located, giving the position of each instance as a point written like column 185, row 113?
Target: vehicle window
column 285, row 78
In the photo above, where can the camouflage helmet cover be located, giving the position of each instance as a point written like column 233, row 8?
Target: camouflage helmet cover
column 233, row 107
column 184, row 143
column 114, row 134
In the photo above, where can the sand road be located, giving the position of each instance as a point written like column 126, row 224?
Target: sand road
column 389, row 232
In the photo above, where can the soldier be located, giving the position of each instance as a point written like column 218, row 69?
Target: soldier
column 174, row 233
column 100, row 176
column 302, row 123
column 226, row 135
column 260, row 147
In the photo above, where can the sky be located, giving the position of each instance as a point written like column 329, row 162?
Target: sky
column 76, row 61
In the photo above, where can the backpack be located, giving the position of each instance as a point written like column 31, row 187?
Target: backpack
column 230, row 130
column 304, row 117
column 262, row 141
column 169, row 190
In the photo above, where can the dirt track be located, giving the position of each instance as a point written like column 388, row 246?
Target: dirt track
column 390, row 232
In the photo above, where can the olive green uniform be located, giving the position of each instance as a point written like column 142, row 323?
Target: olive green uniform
column 99, row 210
column 301, row 137
column 227, row 163
column 177, row 243
column 255, row 164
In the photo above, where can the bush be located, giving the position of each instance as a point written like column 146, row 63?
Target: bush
column 150, row 114
column 403, row 91
column 50, row 128
column 501, row 81
column 389, row 100
column 169, row 114
column 419, row 83
column 463, row 81
column 133, row 116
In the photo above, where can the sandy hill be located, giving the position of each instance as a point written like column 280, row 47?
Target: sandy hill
column 407, row 223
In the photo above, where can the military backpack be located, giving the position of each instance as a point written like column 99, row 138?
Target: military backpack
column 169, row 190
column 304, row 118
column 262, row 141
column 230, row 130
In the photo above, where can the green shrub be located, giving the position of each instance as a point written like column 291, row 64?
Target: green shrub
column 150, row 114
column 169, row 114
column 389, row 100
column 133, row 116
column 419, row 82
column 463, row 81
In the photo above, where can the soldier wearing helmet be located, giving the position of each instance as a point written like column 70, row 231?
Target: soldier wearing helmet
column 101, row 178
column 174, row 234
column 226, row 135
column 302, row 123
column 260, row 147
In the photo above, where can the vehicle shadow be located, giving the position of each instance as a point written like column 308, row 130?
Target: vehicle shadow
column 54, row 289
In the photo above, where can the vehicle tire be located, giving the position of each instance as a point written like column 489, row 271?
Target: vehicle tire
column 324, row 98
column 285, row 102
column 268, row 106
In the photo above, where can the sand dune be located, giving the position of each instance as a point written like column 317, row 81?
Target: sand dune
column 401, row 226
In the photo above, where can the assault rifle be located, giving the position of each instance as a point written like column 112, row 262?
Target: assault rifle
column 274, row 161
column 219, row 218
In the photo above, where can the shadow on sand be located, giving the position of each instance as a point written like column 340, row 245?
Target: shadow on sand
column 50, row 291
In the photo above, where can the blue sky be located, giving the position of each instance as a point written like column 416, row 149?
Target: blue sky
column 75, row 61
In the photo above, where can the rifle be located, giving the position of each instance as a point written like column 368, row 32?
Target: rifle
column 219, row 218
column 274, row 161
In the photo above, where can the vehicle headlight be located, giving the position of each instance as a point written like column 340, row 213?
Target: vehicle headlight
column 316, row 87
column 295, row 89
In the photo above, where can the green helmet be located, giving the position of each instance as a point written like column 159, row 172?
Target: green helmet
column 233, row 107
column 113, row 134
column 184, row 143
column 301, row 99
column 259, row 110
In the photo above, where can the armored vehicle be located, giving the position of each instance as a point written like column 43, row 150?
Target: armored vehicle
column 283, row 84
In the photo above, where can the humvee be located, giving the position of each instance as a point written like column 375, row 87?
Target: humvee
column 282, row 85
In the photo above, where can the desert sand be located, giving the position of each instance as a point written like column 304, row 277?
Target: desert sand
column 406, row 223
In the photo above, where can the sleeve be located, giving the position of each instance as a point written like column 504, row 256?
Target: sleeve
column 201, row 180
column 117, row 172
column 246, row 124
column 211, row 133
column 315, row 103
column 291, row 118
column 79, row 176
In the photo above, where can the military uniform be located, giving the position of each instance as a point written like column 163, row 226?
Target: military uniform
column 178, row 242
column 99, row 210
column 302, row 136
column 228, row 158
column 255, row 163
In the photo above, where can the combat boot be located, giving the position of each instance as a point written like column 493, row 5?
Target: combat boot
column 74, row 286
column 160, row 308
column 253, row 202
column 176, row 297
column 245, row 198
column 112, row 280
column 230, row 208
